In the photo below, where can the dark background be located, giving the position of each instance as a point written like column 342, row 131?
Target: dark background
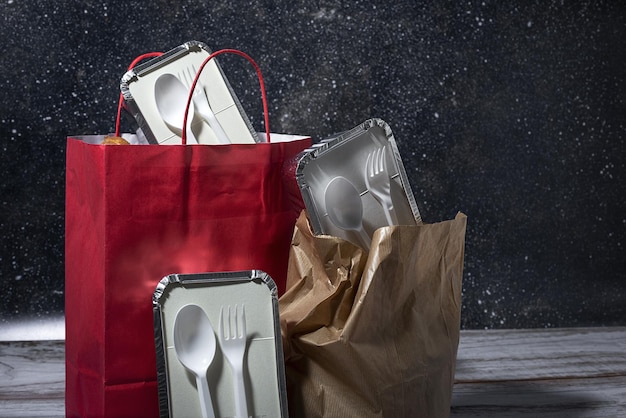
column 512, row 112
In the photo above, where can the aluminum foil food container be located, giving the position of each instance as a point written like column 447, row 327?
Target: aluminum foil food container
column 141, row 100
column 264, row 372
column 355, row 183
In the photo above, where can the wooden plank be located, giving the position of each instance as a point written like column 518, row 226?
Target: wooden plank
column 47, row 408
column 32, row 379
column 560, row 398
column 32, row 370
column 541, row 373
column 500, row 355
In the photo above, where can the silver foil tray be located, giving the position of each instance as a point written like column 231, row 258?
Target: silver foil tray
column 345, row 156
column 138, row 90
column 264, row 370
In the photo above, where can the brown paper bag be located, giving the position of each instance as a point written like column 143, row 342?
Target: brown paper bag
column 373, row 335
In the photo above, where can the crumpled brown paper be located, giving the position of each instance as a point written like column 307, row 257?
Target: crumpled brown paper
column 373, row 335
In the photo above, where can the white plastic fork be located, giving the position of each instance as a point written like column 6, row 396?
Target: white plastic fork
column 379, row 183
column 233, row 340
column 201, row 103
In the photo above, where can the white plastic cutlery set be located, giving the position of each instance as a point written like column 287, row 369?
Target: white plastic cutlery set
column 194, row 341
column 343, row 201
column 170, row 94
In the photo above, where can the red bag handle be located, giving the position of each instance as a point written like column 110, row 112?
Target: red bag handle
column 121, row 100
column 261, row 83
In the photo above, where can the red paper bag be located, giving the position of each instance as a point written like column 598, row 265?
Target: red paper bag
column 137, row 213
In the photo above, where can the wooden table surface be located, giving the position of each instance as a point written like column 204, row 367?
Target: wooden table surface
column 568, row 372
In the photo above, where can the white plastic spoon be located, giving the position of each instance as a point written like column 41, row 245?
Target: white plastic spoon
column 194, row 342
column 345, row 208
column 171, row 96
